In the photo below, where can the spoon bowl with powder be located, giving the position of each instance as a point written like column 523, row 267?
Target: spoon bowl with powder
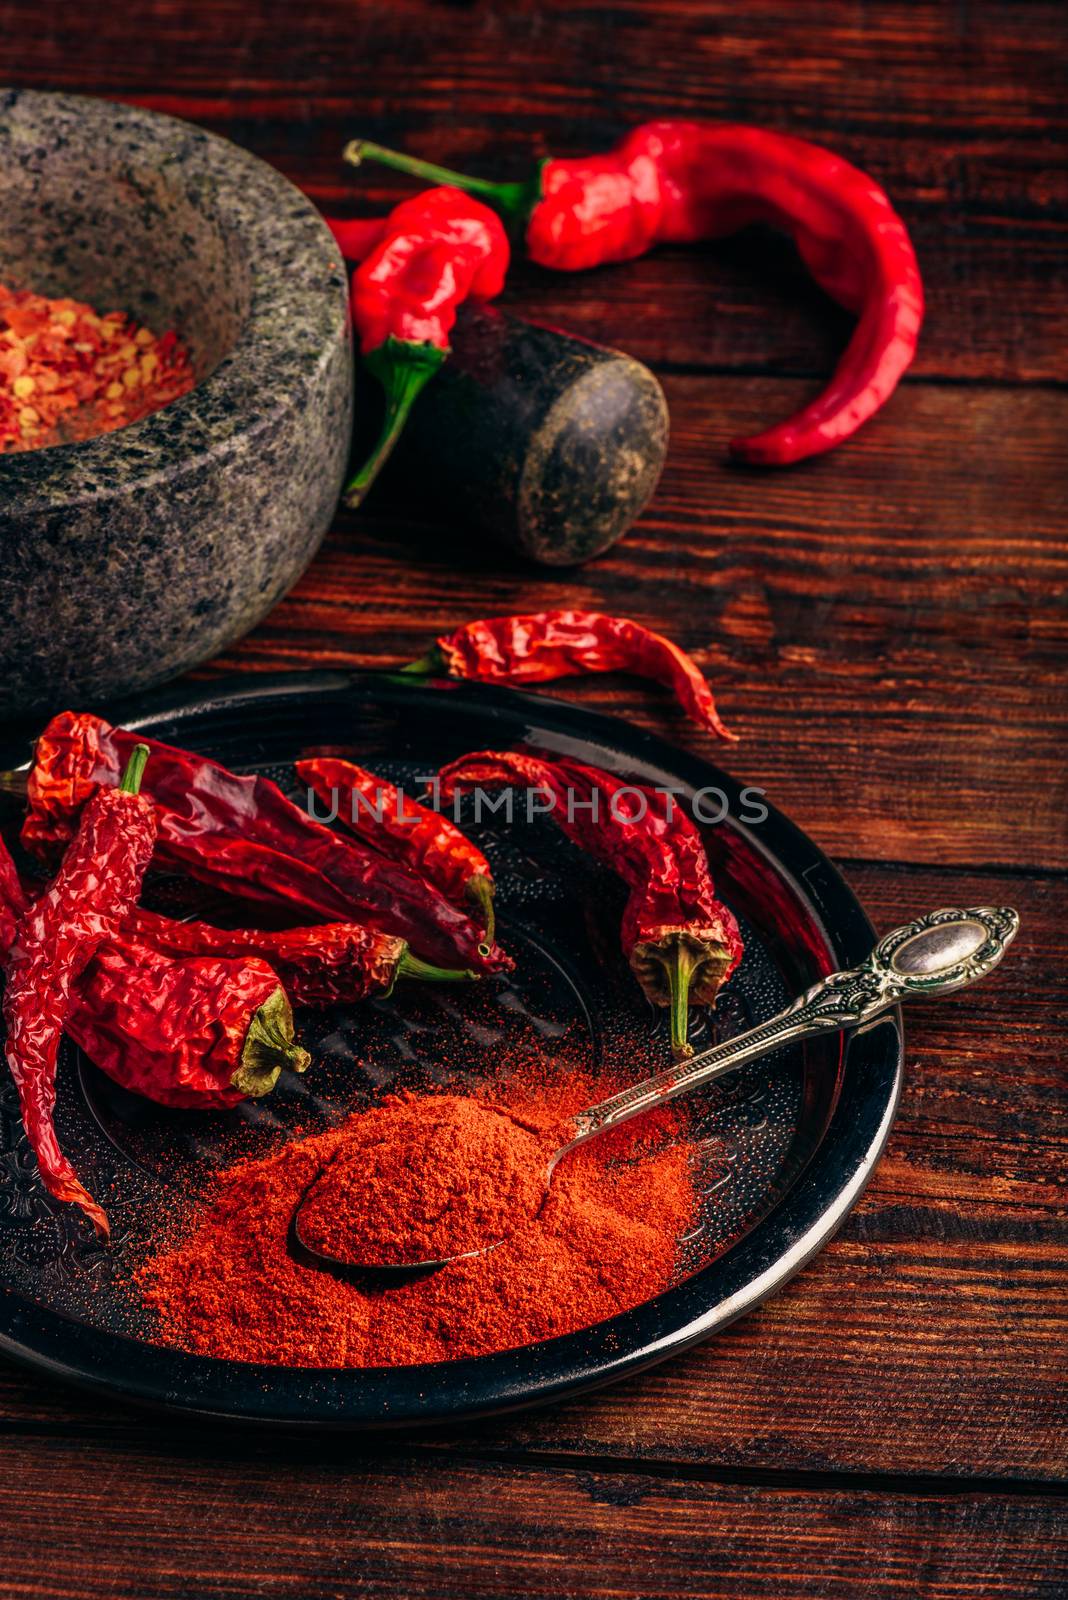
column 425, row 1184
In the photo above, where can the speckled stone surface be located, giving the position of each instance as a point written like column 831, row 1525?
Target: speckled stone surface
column 128, row 558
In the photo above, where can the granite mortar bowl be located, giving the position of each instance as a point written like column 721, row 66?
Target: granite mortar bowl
column 127, row 558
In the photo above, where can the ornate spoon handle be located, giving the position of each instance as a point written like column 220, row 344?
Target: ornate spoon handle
column 933, row 955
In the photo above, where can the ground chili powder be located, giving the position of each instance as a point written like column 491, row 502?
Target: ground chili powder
column 605, row 1239
column 426, row 1178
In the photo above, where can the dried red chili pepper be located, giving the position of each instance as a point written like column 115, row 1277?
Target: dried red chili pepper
column 318, row 966
column 422, row 839
column 680, row 941
column 242, row 835
column 680, row 182
column 198, row 1032
column 564, row 644
column 202, row 1032
column 53, row 940
column 435, row 251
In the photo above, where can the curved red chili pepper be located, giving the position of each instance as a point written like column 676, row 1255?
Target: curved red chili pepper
column 356, row 237
column 562, row 644
column 242, row 835
column 680, row 941
column 434, row 251
column 318, row 966
column 422, row 839
column 679, row 182
column 53, row 941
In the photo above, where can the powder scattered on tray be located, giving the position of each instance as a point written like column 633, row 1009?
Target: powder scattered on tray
column 68, row 372
column 605, row 1239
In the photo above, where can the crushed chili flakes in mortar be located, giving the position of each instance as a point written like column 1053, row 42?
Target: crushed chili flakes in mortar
column 68, row 372
column 605, row 1239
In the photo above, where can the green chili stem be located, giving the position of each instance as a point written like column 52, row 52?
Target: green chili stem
column 427, row 666
column 409, row 966
column 480, row 888
column 403, row 369
column 680, row 964
column 130, row 782
column 269, row 1046
column 514, row 201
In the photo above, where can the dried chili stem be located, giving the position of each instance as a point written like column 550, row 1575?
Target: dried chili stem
column 480, row 889
column 269, row 1046
column 16, row 782
column 409, row 966
column 427, row 666
column 134, row 771
column 680, row 964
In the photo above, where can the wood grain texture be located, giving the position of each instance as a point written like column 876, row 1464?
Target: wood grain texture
column 148, row 1521
column 885, row 628
column 956, row 109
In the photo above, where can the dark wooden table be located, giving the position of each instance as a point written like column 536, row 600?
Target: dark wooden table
column 885, row 628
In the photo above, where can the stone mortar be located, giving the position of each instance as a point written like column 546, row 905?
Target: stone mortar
column 127, row 558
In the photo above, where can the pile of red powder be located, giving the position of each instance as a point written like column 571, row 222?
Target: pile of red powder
column 426, row 1178
column 68, row 372
column 604, row 1239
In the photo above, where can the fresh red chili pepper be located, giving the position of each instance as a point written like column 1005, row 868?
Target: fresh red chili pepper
column 563, row 644
column 356, row 237
column 321, row 965
column 680, row 182
column 435, row 250
column 242, row 835
column 53, row 940
column 681, row 942
column 423, row 839
column 201, row 1032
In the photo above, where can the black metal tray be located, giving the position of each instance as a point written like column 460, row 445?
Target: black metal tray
column 801, row 1130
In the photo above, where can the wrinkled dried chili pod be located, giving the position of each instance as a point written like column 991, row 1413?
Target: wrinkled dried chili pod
column 681, row 942
column 52, row 940
column 404, row 830
column 200, row 1032
column 319, row 965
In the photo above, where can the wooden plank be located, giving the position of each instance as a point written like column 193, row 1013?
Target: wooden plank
column 319, row 1522
column 995, row 69
column 929, row 1337
column 960, row 121
column 887, row 629
column 884, row 628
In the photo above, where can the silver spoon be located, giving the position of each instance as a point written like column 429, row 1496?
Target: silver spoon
column 934, row 955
